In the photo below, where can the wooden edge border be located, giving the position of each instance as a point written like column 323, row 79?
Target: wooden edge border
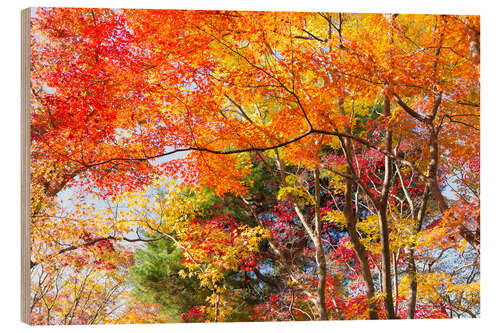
column 25, row 165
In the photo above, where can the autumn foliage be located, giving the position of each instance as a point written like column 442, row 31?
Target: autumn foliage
column 266, row 165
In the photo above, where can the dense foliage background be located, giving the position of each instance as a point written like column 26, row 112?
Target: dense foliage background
column 249, row 166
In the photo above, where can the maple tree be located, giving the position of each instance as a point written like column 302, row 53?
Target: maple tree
column 307, row 165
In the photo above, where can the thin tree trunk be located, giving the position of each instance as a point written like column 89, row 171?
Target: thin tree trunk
column 412, row 281
column 412, row 267
column 360, row 251
column 395, row 258
column 386, row 263
column 351, row 220
column 383, row 223
column 315, row 235
column 320, row 255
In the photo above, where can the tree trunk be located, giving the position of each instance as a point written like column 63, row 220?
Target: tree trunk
column 383, row 223
column 395, row 259
column 320, row 255
column 360, row 251
column 412, row 267
column 386, row 263
column 359, row 248
column 412, row 281
column 314, row 233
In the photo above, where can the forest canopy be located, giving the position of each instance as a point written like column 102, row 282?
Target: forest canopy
column 209, row 166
